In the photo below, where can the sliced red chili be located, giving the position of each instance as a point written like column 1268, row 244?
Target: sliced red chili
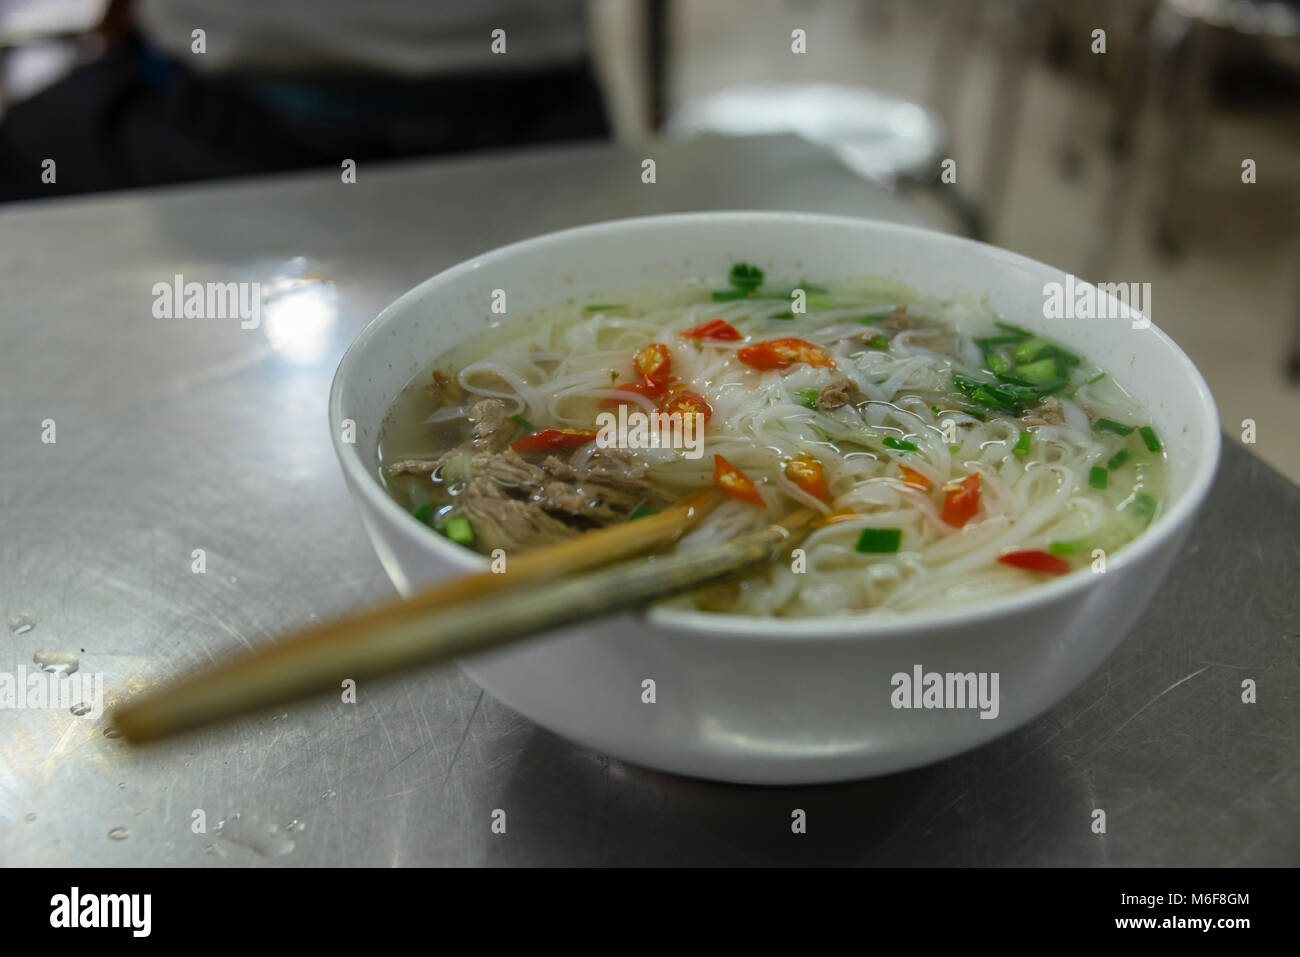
column 718, row 329
column 783, row 353
column 914, row 479
column 735, row 482
column 806, row 472
column 1036, row 561
column 654, row 361
column 550, row 440
column 683, row 400
column 962, row 502
column 650, row 388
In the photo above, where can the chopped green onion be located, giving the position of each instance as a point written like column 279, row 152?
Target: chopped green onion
column 807, row 398
column 1068, row 548
column 879, row 540
column 900, row 444
column 1145, row 505
column 820, row 302
column 726, row 295
column 641, row 511
column 996, row 361
column 1022, row 444
column 1021, row 334
column 1030, row 349
column 989, row 342
column 878, row 342
column 601, row 306
column 458, row 530
column 520, row 421
column 1037, row 373
column 1097, row 378
column 424, row 513
column 782, row 315
column 1118, row 459
column 1098, row 477
column 1110, row 425
column 1149, row 437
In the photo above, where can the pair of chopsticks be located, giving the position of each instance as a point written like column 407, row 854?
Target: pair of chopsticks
column 539, row 591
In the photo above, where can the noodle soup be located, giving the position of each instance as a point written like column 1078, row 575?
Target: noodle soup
column 949, row 454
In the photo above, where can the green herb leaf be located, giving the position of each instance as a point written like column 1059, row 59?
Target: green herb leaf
column 900, row 444
column 745, row 277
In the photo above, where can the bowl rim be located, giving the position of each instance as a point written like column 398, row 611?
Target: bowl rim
column 1161, row 533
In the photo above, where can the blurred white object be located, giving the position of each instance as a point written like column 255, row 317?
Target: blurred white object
column 878, row 136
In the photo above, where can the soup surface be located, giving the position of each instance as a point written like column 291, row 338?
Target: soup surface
column 950, row 454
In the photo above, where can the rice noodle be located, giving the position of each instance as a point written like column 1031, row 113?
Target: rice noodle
column 560, row 367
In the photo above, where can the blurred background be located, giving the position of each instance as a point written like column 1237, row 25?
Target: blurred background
column 1151, row 141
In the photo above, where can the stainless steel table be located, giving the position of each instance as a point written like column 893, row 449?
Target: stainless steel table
column 173, row 435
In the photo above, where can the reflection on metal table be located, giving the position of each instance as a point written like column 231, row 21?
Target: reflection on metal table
column 187, row 444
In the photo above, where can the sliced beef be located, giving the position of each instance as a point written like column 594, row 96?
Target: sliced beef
column 898, row 320
column 507, row 468
column 414, row 467
column 513, row 503
column 489, row 429
column 446, row 389
column 501, row 521
column 1047, row 412
column 840, row 392
column 612, row 481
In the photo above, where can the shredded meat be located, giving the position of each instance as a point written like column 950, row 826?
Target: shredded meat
column 841, row 391
column 488, row 429
column 608, row 486
column 500, row 521
column 1047, row 412
column 414, row 467
column 898, row 320
column 507, row 468
column 944, row 343
column 513, row 503
column 445, row 389
column 516, row 503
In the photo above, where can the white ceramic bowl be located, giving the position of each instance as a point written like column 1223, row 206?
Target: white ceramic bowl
column 779, row 701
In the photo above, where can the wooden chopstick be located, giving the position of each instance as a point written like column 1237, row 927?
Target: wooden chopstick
column 471, row 614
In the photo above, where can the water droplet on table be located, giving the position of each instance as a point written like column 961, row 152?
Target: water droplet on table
column 119, row 834
column 329, row 795
column 80, row 709
column 112, row 732
column 21, row 624
column 265, row 840
column 56, row 663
